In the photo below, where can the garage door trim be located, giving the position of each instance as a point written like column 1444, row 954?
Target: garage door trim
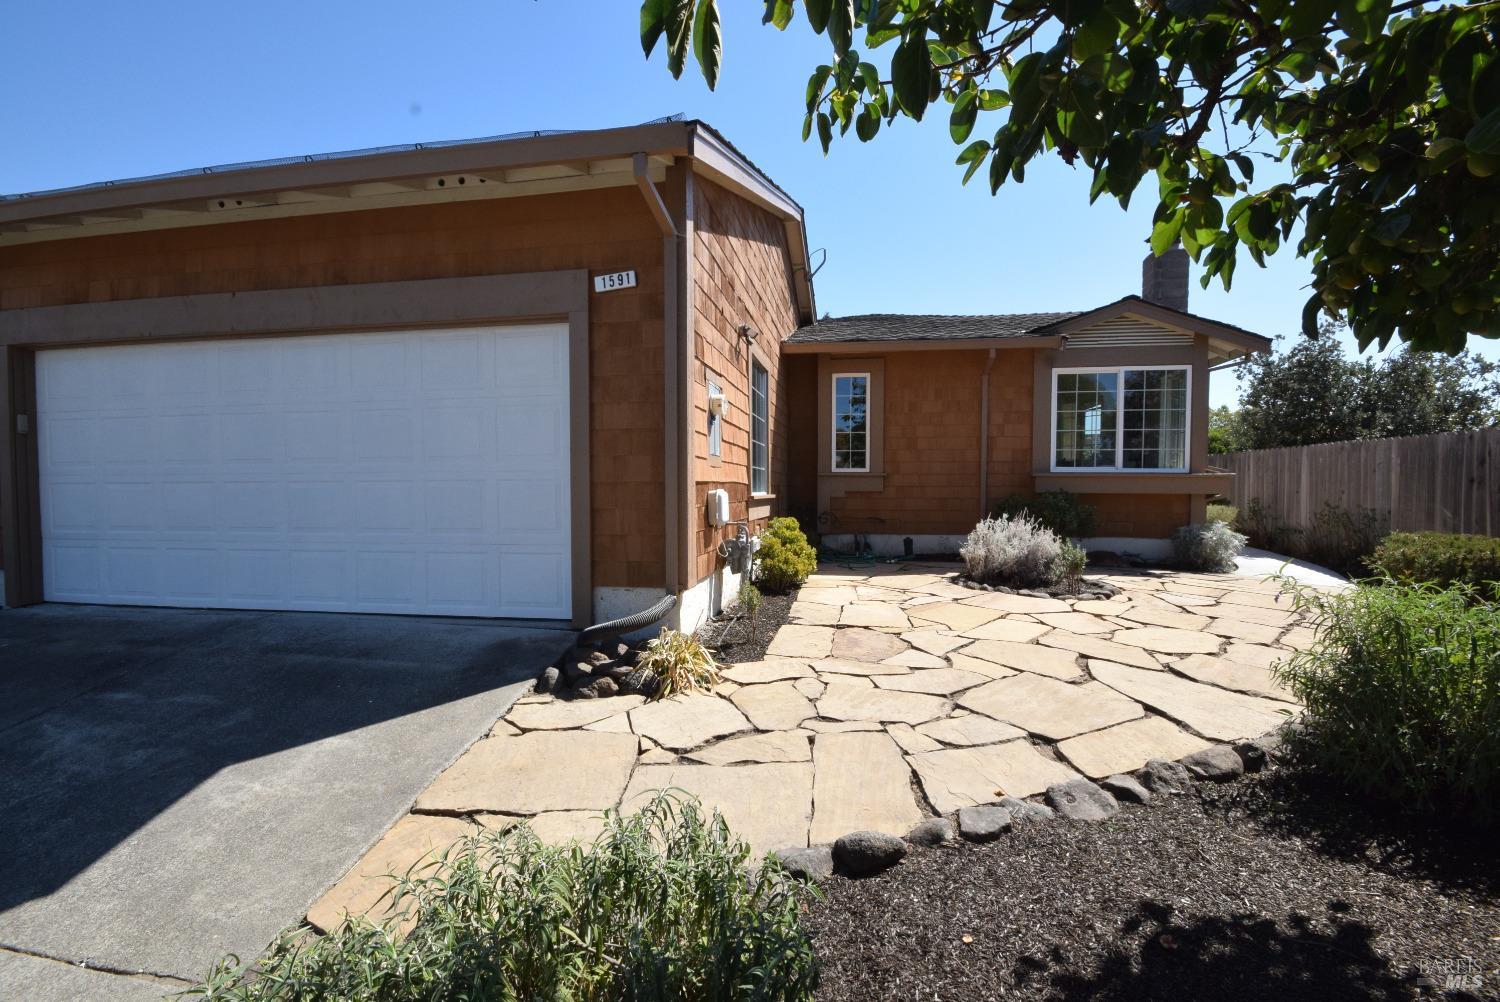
column 382, row 306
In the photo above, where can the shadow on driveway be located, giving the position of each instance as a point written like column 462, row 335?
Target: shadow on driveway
column 175, row 784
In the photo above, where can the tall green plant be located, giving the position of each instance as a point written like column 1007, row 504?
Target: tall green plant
column 785, row 558
column 665, row 905
column 1402, row 690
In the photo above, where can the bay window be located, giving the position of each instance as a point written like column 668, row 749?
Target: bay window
column 1120, row 419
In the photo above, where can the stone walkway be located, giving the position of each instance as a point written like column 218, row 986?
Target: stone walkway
column 893, row 694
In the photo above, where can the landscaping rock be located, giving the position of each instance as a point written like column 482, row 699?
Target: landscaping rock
column 814, row 864
column 599, row 659
column 861, row 854
column 1126, row 789
column 1024, row 811
column 1219, row 763
column 1252, row 756
column 548, row 679
column 985, row 822
column 601, row 686
column 1162, row 776
column 1081, row 800
column 933, row 832
column 582, row 692
column 574, row 672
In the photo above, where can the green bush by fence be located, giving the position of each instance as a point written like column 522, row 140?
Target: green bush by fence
column 1442, row 558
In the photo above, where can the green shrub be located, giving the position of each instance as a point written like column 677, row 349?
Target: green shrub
column 785, row 558
column 1441, row 558
column 1067, row 569
column 750, row 600
column 1059, row 511
column 1228, row 514
column 1209, row 547
column 662, row 906
column 1335, row 537
column 1402, row 689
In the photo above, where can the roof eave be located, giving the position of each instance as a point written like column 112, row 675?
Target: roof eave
column 666, row 138
column 919, row 344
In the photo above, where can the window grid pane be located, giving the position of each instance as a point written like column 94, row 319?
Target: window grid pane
column 1143, row 411
column 759, row 408
column 1087, row 415
column 850, row 422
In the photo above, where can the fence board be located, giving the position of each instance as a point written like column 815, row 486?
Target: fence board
column 1440, row 483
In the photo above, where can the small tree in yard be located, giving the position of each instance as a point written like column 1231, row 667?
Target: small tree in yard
column 750, row 599
column 1379, row 121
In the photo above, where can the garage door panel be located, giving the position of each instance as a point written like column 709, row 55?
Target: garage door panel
column 412, row 472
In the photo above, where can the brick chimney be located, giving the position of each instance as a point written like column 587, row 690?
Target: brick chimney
column 1164, row 280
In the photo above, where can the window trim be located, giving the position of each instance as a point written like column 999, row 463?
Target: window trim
column 1119, row 467
column 756, row 363
column 715, row 423
column 833, row 429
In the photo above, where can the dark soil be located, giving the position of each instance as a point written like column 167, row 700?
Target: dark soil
column 1264, row 889
column 736, row 644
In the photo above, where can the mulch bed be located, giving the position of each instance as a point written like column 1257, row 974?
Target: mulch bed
column 736, row 645
column 1266, row 888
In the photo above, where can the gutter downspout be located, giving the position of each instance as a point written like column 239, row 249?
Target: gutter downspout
column 984, row 436
column 673, row 370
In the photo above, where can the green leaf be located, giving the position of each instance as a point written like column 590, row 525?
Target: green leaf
column 825, row 131
column 779, row 13
column 992, row 100
column 1165, row 233
column 1246, row 166
column 818, row 12
column 1484, row 137
column 911, row 75
column 841, row 26
column 1025, row 88
column 679, row 22
column 653, row 23
column 868, row 123
column 815, row 85
column 961, row 121
column 1307, row 17
column 973, row 155
column 1096, row 35
column 1363, row 19
column 708, row 41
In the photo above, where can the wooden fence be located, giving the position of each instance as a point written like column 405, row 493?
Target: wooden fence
column 1441, row 483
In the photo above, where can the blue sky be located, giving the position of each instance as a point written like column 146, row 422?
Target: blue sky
column 97, row 91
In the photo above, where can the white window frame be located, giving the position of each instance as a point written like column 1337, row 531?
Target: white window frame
column 765, row 487
column 1119, row 467
column 833, row 421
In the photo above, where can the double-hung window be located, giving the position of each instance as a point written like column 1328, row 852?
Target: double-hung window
column 1120, row 419
column 851, row 422
column 760, row 401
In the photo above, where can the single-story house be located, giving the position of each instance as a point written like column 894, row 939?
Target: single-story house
column 508, row 378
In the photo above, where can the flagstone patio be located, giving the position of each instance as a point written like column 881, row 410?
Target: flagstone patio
column 893, row 694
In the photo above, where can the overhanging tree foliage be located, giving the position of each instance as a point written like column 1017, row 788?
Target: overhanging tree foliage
column 1385, row 116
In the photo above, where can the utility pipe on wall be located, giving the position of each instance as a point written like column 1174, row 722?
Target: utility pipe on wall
column 984, row 436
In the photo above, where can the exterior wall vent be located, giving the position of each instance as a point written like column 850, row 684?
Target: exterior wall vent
column 1128, row 332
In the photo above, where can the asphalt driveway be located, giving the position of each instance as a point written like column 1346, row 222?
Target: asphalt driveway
column 176, row 785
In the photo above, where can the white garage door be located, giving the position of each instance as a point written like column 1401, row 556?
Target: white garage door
column 412, row 472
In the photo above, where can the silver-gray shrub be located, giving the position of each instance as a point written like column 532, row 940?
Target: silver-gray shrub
column 1013, row 550
column 1209, row 547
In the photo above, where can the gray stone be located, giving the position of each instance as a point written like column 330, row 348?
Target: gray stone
column 814, row 863
column 599, row 659
column 640, row 681
column 1252, row 756
column 582, row 692
column 932, row 832
column 575, row 671
column 1162, row 776
column 601, row 686
column 1081, row 800
column 861, row 854
column 1219, row 763
column 1127, row 789
column 985, row 822
column 1024, row 811
column 548, row 679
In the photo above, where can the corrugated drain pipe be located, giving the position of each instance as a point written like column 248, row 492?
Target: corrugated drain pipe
column 984, row 436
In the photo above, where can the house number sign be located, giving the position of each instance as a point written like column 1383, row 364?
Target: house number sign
column 614, row 280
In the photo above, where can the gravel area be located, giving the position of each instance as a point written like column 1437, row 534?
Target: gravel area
column 736, row 645
column 1267, row 888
